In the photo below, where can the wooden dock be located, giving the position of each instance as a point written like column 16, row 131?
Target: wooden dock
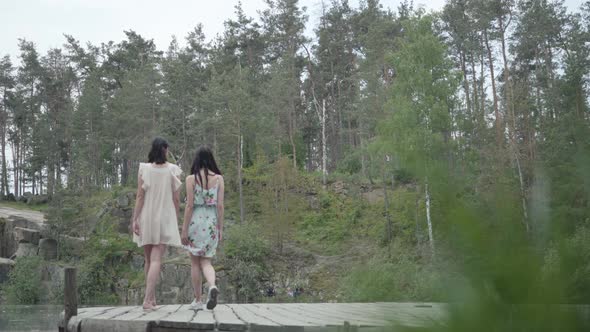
column 259, row 317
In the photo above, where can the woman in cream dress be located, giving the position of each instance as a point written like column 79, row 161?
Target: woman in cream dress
column 155, row 218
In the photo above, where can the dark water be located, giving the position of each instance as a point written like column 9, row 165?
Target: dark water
column 18, row 318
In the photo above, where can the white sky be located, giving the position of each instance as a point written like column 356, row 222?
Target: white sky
column 45, row 21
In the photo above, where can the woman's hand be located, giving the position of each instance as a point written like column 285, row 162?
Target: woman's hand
column 184, row 237
column 135, row 227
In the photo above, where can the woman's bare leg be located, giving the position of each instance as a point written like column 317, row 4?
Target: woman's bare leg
column 153, row 275
column 147, row 252
column 196, row 277
column 208, row 271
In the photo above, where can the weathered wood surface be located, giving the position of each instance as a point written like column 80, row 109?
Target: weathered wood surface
column 260, row 317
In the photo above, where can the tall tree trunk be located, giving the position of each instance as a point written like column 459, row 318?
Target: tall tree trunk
column 324, row 145
column 15, row 146
column 465, row 81
column 428, row 219
column 292, row 134
column 19, row 170
column 50, row 178
column 239, row 166
column 509, row 96
column 3, row 127
column 498, row 120
column 482, row 90
column 124, row 171
column 389, row 226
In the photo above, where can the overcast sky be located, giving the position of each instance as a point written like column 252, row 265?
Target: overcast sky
column 45, row 21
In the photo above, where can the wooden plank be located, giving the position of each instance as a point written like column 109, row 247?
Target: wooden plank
column 352, row 316
column 227, row 320
column 73, row 324
column 114, row 312
column 139, row 314
column 87, row 310
column 339, row 318
column 261, row 317
column 327, row 319
column 110, row 325
column 399, row 315
column 405, row 314
column 254, row 321
column 180, row 319
column 161, row 313
column 427, row 312
column 132, row 314
column 203, row 320
column 360, row 309
column 264, row 311
column 289, row 312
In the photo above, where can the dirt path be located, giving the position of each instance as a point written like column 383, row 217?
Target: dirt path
column 34, row 216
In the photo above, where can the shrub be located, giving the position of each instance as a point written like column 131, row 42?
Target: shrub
column 245, row 254
column 24, row 281
column 404, row 279
column 243, row 242
column 104, row 263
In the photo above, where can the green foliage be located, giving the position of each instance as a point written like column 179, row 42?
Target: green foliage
column 569, row 264
column 331, row 223
column 351, row 163
column 243, row 242
column 246, row 256
column 24, row 281
column 402, row 279
column 105, row 260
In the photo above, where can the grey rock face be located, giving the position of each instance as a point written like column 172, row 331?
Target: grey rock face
column 5, row 266
column 48, row 249
column 26, row 250
column 123, row 201
column 27, row 235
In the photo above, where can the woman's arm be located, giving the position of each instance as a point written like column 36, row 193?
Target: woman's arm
column 139, row 200
column 220, row 197
column 176, row 185
column 176, row 199
column 188, row 210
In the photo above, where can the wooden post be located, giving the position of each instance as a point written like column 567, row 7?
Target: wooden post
column 70, row 295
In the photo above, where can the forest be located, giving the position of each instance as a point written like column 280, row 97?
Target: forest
column 472, row 122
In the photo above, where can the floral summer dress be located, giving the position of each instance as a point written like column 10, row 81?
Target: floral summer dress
column 203, row 232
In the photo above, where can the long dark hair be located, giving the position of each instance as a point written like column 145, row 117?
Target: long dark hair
column 204, row 160
column 157, row 153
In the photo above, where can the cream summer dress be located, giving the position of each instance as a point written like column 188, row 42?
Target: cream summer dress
column 157, row 220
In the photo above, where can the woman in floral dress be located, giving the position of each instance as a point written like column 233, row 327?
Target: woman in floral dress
column 202, row 230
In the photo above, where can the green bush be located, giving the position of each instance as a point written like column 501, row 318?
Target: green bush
column 245, row 256
column 24, row 281
column 243, row 242
column 569, row 265
column 328, row 227
column 351, row 163
column 403, row 279
column 105, row 261
column 95, row 282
